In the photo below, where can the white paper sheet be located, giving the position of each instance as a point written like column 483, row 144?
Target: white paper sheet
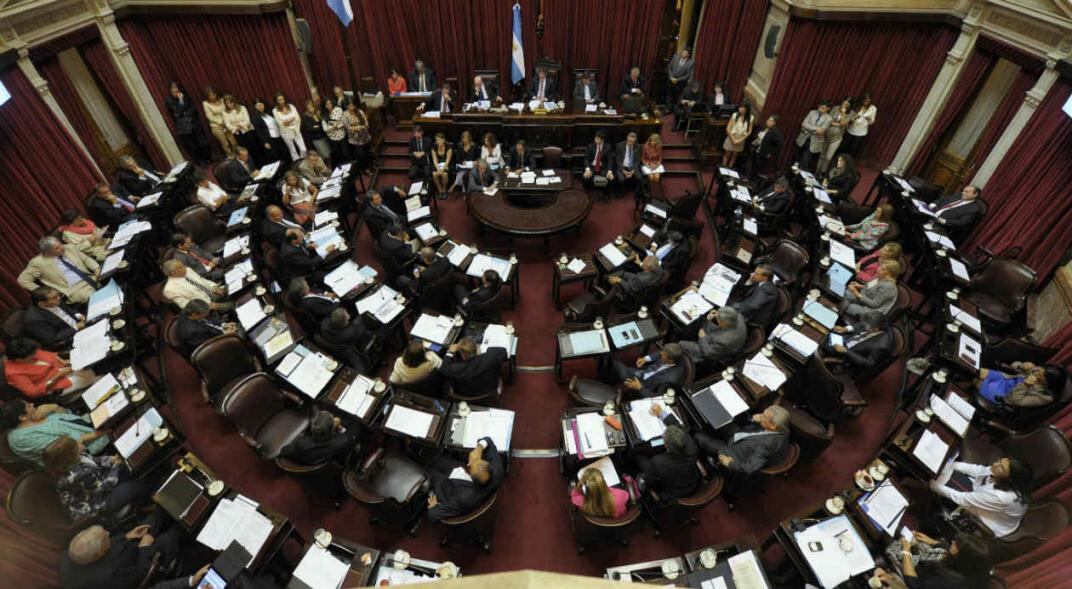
column 588, row 342
column 497, row 424
column 268, row 172
column 355, row 400
column 111, row 263
column 613, row 255
column 90, row 345
column 234, row 246
column 923, row 208
column 125, row 232
column 482, row 262
column 139, row 433
column 235, row 520
column 425, row 231
column 930, row 450
column 409, row 421
column 149, row 200
column 802, row 344
column 959, row 269
column 325, row 217
column 840, row 252
column 606, row 467
column 495, row 336
column 311, row 375
column 750, row 226
column 655, row 210
column 250, row 313
column 762, row 370
column 832, row 565
column 940, row 239
column 458, row 254
column 319, row 569
column 885, row 506
column 419, row 213
column 432, row 328
column 949, row 416
column 105, row 385
column 576, row 265
column 747, row 573
column 729, row 173
column 729, row 399
column 376, row 299
column 961, row 405
column 345, row 278
column 647, row 425
column 967, row 319
column 690, row 307
column 591, row 434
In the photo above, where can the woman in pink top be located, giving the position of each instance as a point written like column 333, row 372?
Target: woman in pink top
column 592, row 495
column 867, row 267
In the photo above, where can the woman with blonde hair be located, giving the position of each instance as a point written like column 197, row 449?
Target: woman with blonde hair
column 867, row 267
column 592, row 495
column 299, row 195
column 652, row 157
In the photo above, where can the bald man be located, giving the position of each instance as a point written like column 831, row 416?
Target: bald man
column 459, row 488
column 275, row 225
column 95, row 559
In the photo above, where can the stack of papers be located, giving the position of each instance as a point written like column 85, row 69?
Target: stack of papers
column 822, row 196
column 750, row 226
column 798, row 342
column 840, row 551
column 139, row 433
column 236, row 520
column 105, row 387
column 235, row 245
column 940, row 239
column 345, row 278
column 966, row 409
column 127, row 231
column 729, row 173
column 497, row 424
column 410, row 422
column 969, row 321
column 324, row 238
column 647, row 425
column 482, row 262
column 90, row 346
column 433, row 328
column 591, row 435
column 458, row 254
column 318, row 569
column 355, row 400
column 746, row 571
column 588, row 342
column 309, row 372
column 419, row 213
column 576, row 265
column 606, row 467
column 949, row 416
column 718, row 283
column 104, row 300
column 690, row 307
column 842, row 253
column 931, row 451
column 250, row 313
column 149, row 200
column 495, row 336
column 268, row 172
column 613, row 255
column 647, row 231
column 381, row 304
column 741, row 194
column 885, row 506
column 762, row 370
column 235, row 277
column 108, row 409
column 655, row 210
column 426, row 232
column 324, row 217
column 111, row 263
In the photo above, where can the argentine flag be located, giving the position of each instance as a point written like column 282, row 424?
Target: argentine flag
column 342, row 9
column 517, row 71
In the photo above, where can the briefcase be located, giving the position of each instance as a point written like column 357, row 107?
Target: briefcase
column 599, row 181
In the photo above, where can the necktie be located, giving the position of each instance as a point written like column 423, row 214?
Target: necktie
column 388, row 212
column 628, row 157
column 422, row 83
column 818, row 116
column 444, row 101
column 200, row 287
column 598, row 163
column 85, row 277
column 203, row 261
column 542, row 82
column 483, row 93
column 126, row 204
column 587, row 94
column 950, row 205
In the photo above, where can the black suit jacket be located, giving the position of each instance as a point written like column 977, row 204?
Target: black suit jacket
column 412, row 85
column 606, row 157
column 619, row 156
column 961, row 218
column 260, row 127
column 319, row 307
column 134, row 184
column 866, row 350
column 478, row 375
column 756, row 452
column 489, row 88
column 183, row 113
column 458, row 497
column 425, row 145
column 653, row 385
column 759, row 302
column 770, row 146
column 435, row 103
column 515, row 160
column 676, row 259
column 233, row 176
column 439, row 268
column 50, row 331
column 355, row 334
column 629, row 83
column 673, row 476
column 306, row 450
column 378, row 220
column 194, row 333
column 548, row 89
column 593, row 91
column 398, row 251
column 103, row 213
column 122, row 567
column 298, row 260
column 274, row 233
column 774, row 203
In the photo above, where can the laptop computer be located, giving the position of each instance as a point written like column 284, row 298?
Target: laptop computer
column 839, row 277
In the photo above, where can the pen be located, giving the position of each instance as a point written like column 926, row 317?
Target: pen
column 586, row 440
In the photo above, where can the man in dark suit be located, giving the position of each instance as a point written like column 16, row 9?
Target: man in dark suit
column 754, row 447
column 235, row 173
column 632, row 284
column 298, row 259
column 94, row 558
column 674, row 255
column 318, row 304
column 485, row 90
column 430, row 267
column 338, row 330
column 542, row 87
column 378, row 215
column 774, row 200
column 110, row 207
column 275, row 226
column 691, row 100
column 48, row 322
column 627, row 160
column 633, row 84
column 867, row 344
column 459, row 488
column 136, row 179
column 585, row 89
column 394, row 245
column 671, row 474
column 421, row 79
column 723, row 335
column 598, row 161
column 473, row 373
column 520, row 158
column 652, row 372
column 194, row 326
column 489, row 287
column 196, row 258
column 442, row 100
column 959, row 213
column 760, row 297
column 419, row 162
column 324, row 441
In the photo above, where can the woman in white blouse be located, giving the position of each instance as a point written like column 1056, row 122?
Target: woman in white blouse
column 299, row 195
column 999, row 493
column 336, row 131
column 737, row 132
column 214, row 108
column 236, row 122
column 491, row 151
column 289, row 120
column 860, row 125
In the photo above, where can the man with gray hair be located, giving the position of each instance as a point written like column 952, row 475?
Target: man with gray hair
column 183, row 286
column 759, row 297
column 63, row 268
column 723, row 334
column 653, row 372
column 753, row 447
column 631, row 284
column 865, row 345
column 137, row 180
column 94, row 558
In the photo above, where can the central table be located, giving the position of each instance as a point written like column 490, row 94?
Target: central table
column 566, row 210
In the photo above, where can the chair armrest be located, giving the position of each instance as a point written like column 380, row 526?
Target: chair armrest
column 252, row 442
column 1000, row 428
column 292, row 397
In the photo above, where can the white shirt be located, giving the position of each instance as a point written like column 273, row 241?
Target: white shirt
column 69, row 274
column 460, row 474
column 862, row 121
column 587, row 94
column 999, row 510
column 210, row 196
column 543, row 87
column 494, row 156
column 63, row 315
column 269, row 120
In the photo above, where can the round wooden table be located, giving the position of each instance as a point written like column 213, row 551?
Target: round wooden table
column 566, row 210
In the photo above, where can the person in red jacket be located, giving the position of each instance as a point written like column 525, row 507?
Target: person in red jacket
column 36, row 373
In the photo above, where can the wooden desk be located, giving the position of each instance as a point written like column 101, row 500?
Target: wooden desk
column 363, row 562
column 649, row 573
column 563, row 275
column 564, row 349
column 648, row 331
column 436, row 407
column 338, row 386
column 564, row 129
column 564, row 211
column 404, row 107
column 571, row 461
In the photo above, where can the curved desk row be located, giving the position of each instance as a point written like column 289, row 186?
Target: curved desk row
column 566, row 210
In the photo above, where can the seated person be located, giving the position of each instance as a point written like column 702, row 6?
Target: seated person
column 480, row 177
column 749, row 449
column 136, row 179
column 442, row 100
column 1027, row 386
column 927, row 563
column 866, row 345
column 36, row 373
column 471, row 372
column 466, row 153
column 442, row 155
column 868, row 266
column 627, row 160
column 586, row 89
column 633, row 84
column 652, row 156
column 759, row 299
column 92, row 485
column 691, row 100
column 48, row 322
column 652, row 372
column 723, row 335
column 458, row 489
column 299, row 196
column 542, row 87
column 319, row 305
column 63, row 268
column 591, row 495
column 959, row 213
column 490, row 286
column 183, row 286
column 840, row 181
column 632, row 284
column 774, row 200
column 396, row 245
column 672, row 474
column 867, row 233
column 275, row 225
column 201, row 262
column 429, row 268
column 96, row 559
column 338, row 330
column 210, row 195
column 296, row 259
column 485, row 90
column 31, row 428
column 325, row 440
column 378, row 215
column 415, row 364
column 999, row 496
column 598, row 161
column 84, row 234
column 419, row 146
column 314, row 169
column 520, row 158
column 109, row 208
column 236, row 172
column 422, row 78
column 674, row 255
column 879, row 295
column 195, row 327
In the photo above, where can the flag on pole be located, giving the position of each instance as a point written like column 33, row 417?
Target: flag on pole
column 517, row 71
column 342, row 9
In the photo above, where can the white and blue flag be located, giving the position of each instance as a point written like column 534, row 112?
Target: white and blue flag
column 342, row 9
column 517, row 70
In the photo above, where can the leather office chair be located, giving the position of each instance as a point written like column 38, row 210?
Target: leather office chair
column 646, row 297
column 171, row 333
column 1046, row 450
column 391, row 486
column 370, row 355
column 321, row 479
column 925, row 190
column 686, row 206
column 781, row 310
column 222, row 361
column 552, row 156
column 756, row 339
column 391, row 268
column 792, row 456
column 789, row 260
column 476, row 527
column 33, row 504
column 587, row 392
column 825, row 395
column 812, row 435
column 11, row 325
column 901, row 306
column 489, row 311
column 1000, row 289
column 438, row 295
column 203, row 227
column 597, row 303
column 309, row 325
column 1024, row 418
column 275, row 270
column 1006, row 350
column 746, row 486
column 593, row 530
column 670, row 515
column 266, row 416
column 12, row 463
column 1043, row 521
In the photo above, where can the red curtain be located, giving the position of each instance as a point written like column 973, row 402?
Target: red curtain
column 896, row 62
column 1027, row 194
column 100, row 63
column 328, row 59
column 1012, row 102
column 71, row 105
column 33, row 189
column 726, row 43
column 967, row 87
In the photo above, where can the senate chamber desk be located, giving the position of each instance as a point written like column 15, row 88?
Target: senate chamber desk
column 565, row 210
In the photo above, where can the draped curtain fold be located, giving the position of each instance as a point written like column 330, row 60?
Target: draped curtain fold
column 71, row 105
column 726, row 43
column 328, row 59
column 897, row 62
column 31, row 142
column 1027, row 194
column 1002, row 116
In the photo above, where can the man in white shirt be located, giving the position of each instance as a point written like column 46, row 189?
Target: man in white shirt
column 999, row 492
column 210, row 194
column 183, row 286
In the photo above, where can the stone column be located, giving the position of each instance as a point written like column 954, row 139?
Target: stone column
column 684, row 32
column 940, row 90
column 302, row 57
column 763, row 67
column 41, row 85
column 139, row 91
